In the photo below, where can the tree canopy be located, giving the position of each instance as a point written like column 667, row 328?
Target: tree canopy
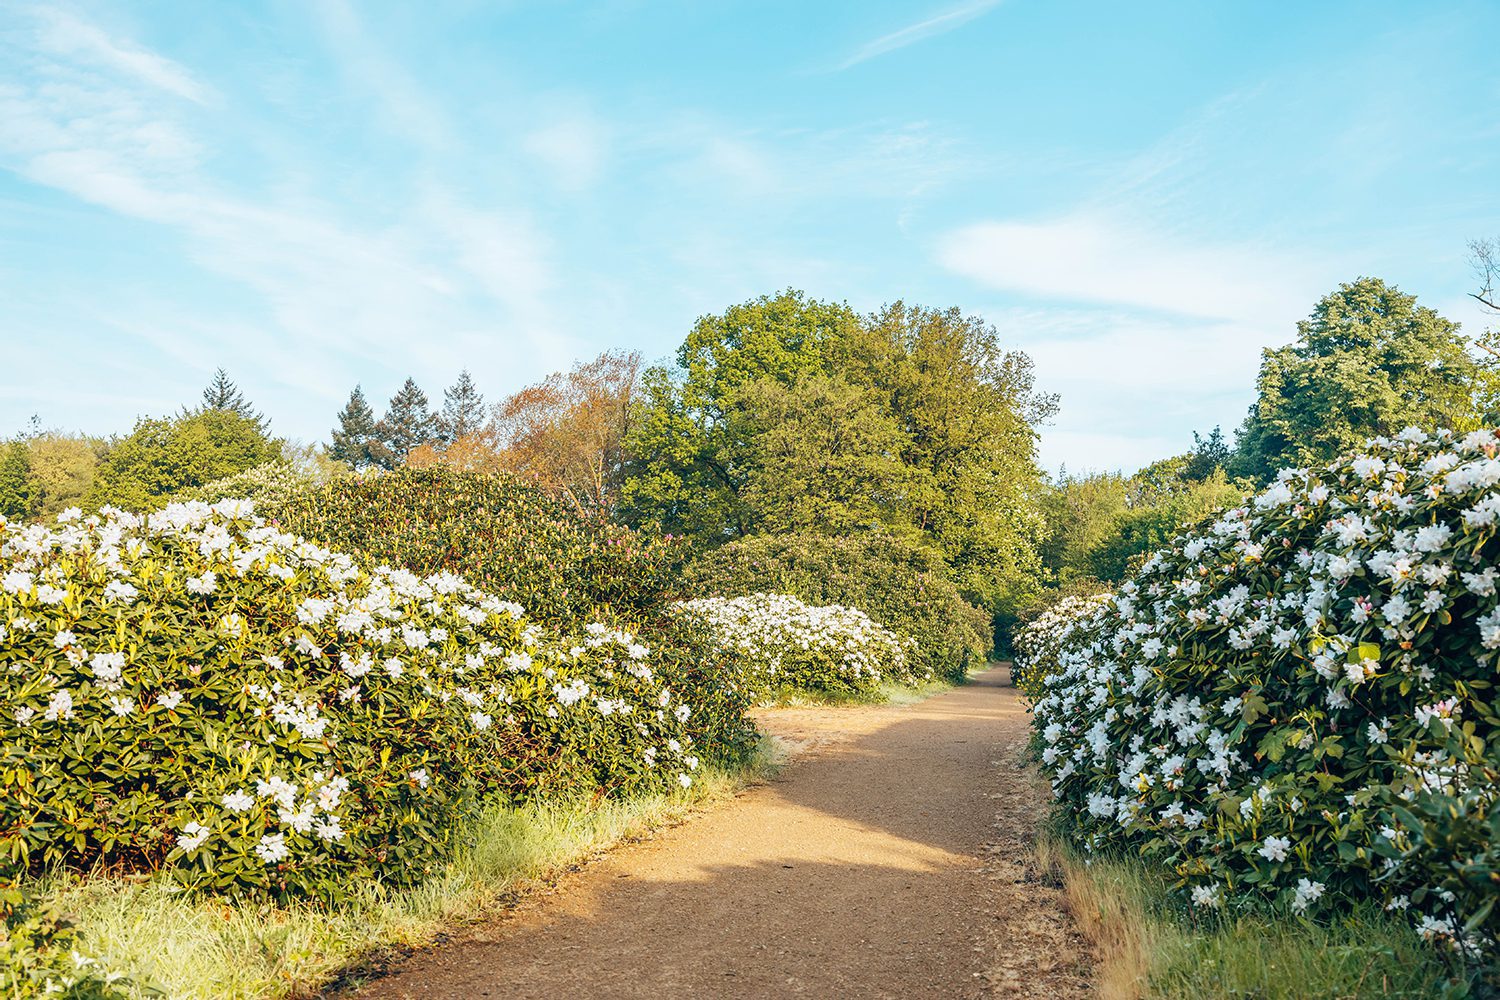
column 1369, row 361
column 786, row 413
column 162, row 456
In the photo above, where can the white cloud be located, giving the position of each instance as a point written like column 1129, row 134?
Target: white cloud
column 572, row 150
column 1090, row 257
column 938, row 24
column 337, row 297
column 63, row 34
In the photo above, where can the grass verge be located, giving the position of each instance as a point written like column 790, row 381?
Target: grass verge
column 203, row 948
column 1144, row 947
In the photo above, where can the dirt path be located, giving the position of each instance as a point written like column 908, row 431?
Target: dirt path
column 886, row 861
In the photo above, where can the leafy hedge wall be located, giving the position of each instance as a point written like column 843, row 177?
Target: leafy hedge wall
column 199, row 690
column 563, row 564
column 1293, row 706
column 894, row 582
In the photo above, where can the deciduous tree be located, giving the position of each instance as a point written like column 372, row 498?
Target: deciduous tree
column 1368, row 361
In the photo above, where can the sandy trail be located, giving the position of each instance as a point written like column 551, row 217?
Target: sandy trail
column 888, row 860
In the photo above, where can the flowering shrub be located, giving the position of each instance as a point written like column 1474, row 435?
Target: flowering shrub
column 1039, row 643
column 1294, row 703
column 895, row 581
column 265, row 485
column 200, row 690
column 786, row 645
column 515, row 540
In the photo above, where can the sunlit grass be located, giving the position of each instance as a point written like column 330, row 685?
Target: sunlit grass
column 189, row 946
column 1147, row 948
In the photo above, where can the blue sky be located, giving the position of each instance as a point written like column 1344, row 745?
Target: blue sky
column 1141, row 196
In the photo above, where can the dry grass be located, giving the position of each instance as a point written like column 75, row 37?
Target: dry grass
column 1144, row 947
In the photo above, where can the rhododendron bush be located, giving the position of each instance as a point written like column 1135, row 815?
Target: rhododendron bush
column 781, row 644
column 1293, row 705
column 1039, row 643
column 196, row 689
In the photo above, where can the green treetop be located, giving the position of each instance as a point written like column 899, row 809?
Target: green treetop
column 1369, row 361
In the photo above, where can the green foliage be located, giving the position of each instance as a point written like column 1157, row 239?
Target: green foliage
column 263, row 716
column 162, row 457
column 62, row 469
column 356, row 438
column 463, row 410
column 896, row 582
column 789, row 413
column 561, row 563
column 19, row 497
column 1368, row 361
column 1290, row 707
column 824, row 458
column 39, row 957
column 267, row 486
column 223, row 394
column 1101, row 524
column 407, row 424
column 1154, row 520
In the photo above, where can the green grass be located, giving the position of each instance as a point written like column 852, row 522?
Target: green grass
column 193, row 946
column 1147, row 948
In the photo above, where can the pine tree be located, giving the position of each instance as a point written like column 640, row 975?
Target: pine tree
column 407, row 423
column 463, row 410
column 223, row 394
column 356, row 433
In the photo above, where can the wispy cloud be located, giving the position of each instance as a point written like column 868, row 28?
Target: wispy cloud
column 63, row 34
column 938, row 24
column 1091, row 257
column 336, row 296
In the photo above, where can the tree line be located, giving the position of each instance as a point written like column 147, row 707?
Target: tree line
column 791, row 416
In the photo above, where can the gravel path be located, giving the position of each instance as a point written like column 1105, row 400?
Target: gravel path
column 888, row 860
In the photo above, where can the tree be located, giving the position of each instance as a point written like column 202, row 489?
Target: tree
column 357, row 433
column 1082, row 514
column 1369, row 361
column 223, row 394
column 564, row 434
column 161, row 457
column 1208, row 455
column 954, row 415
column 463, row 410
column 824, row 456
column 62, row 469
column 687, row 463
column 407, row 424
column 18, row 498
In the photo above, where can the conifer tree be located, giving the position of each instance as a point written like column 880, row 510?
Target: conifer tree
column 223, row 394
column 356, row 433
column 407, row 423
column 463, row 410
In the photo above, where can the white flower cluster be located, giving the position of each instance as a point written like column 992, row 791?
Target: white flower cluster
column 290, row 688
column 1039, row 643
column 783, row 643
column 1295, row 697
